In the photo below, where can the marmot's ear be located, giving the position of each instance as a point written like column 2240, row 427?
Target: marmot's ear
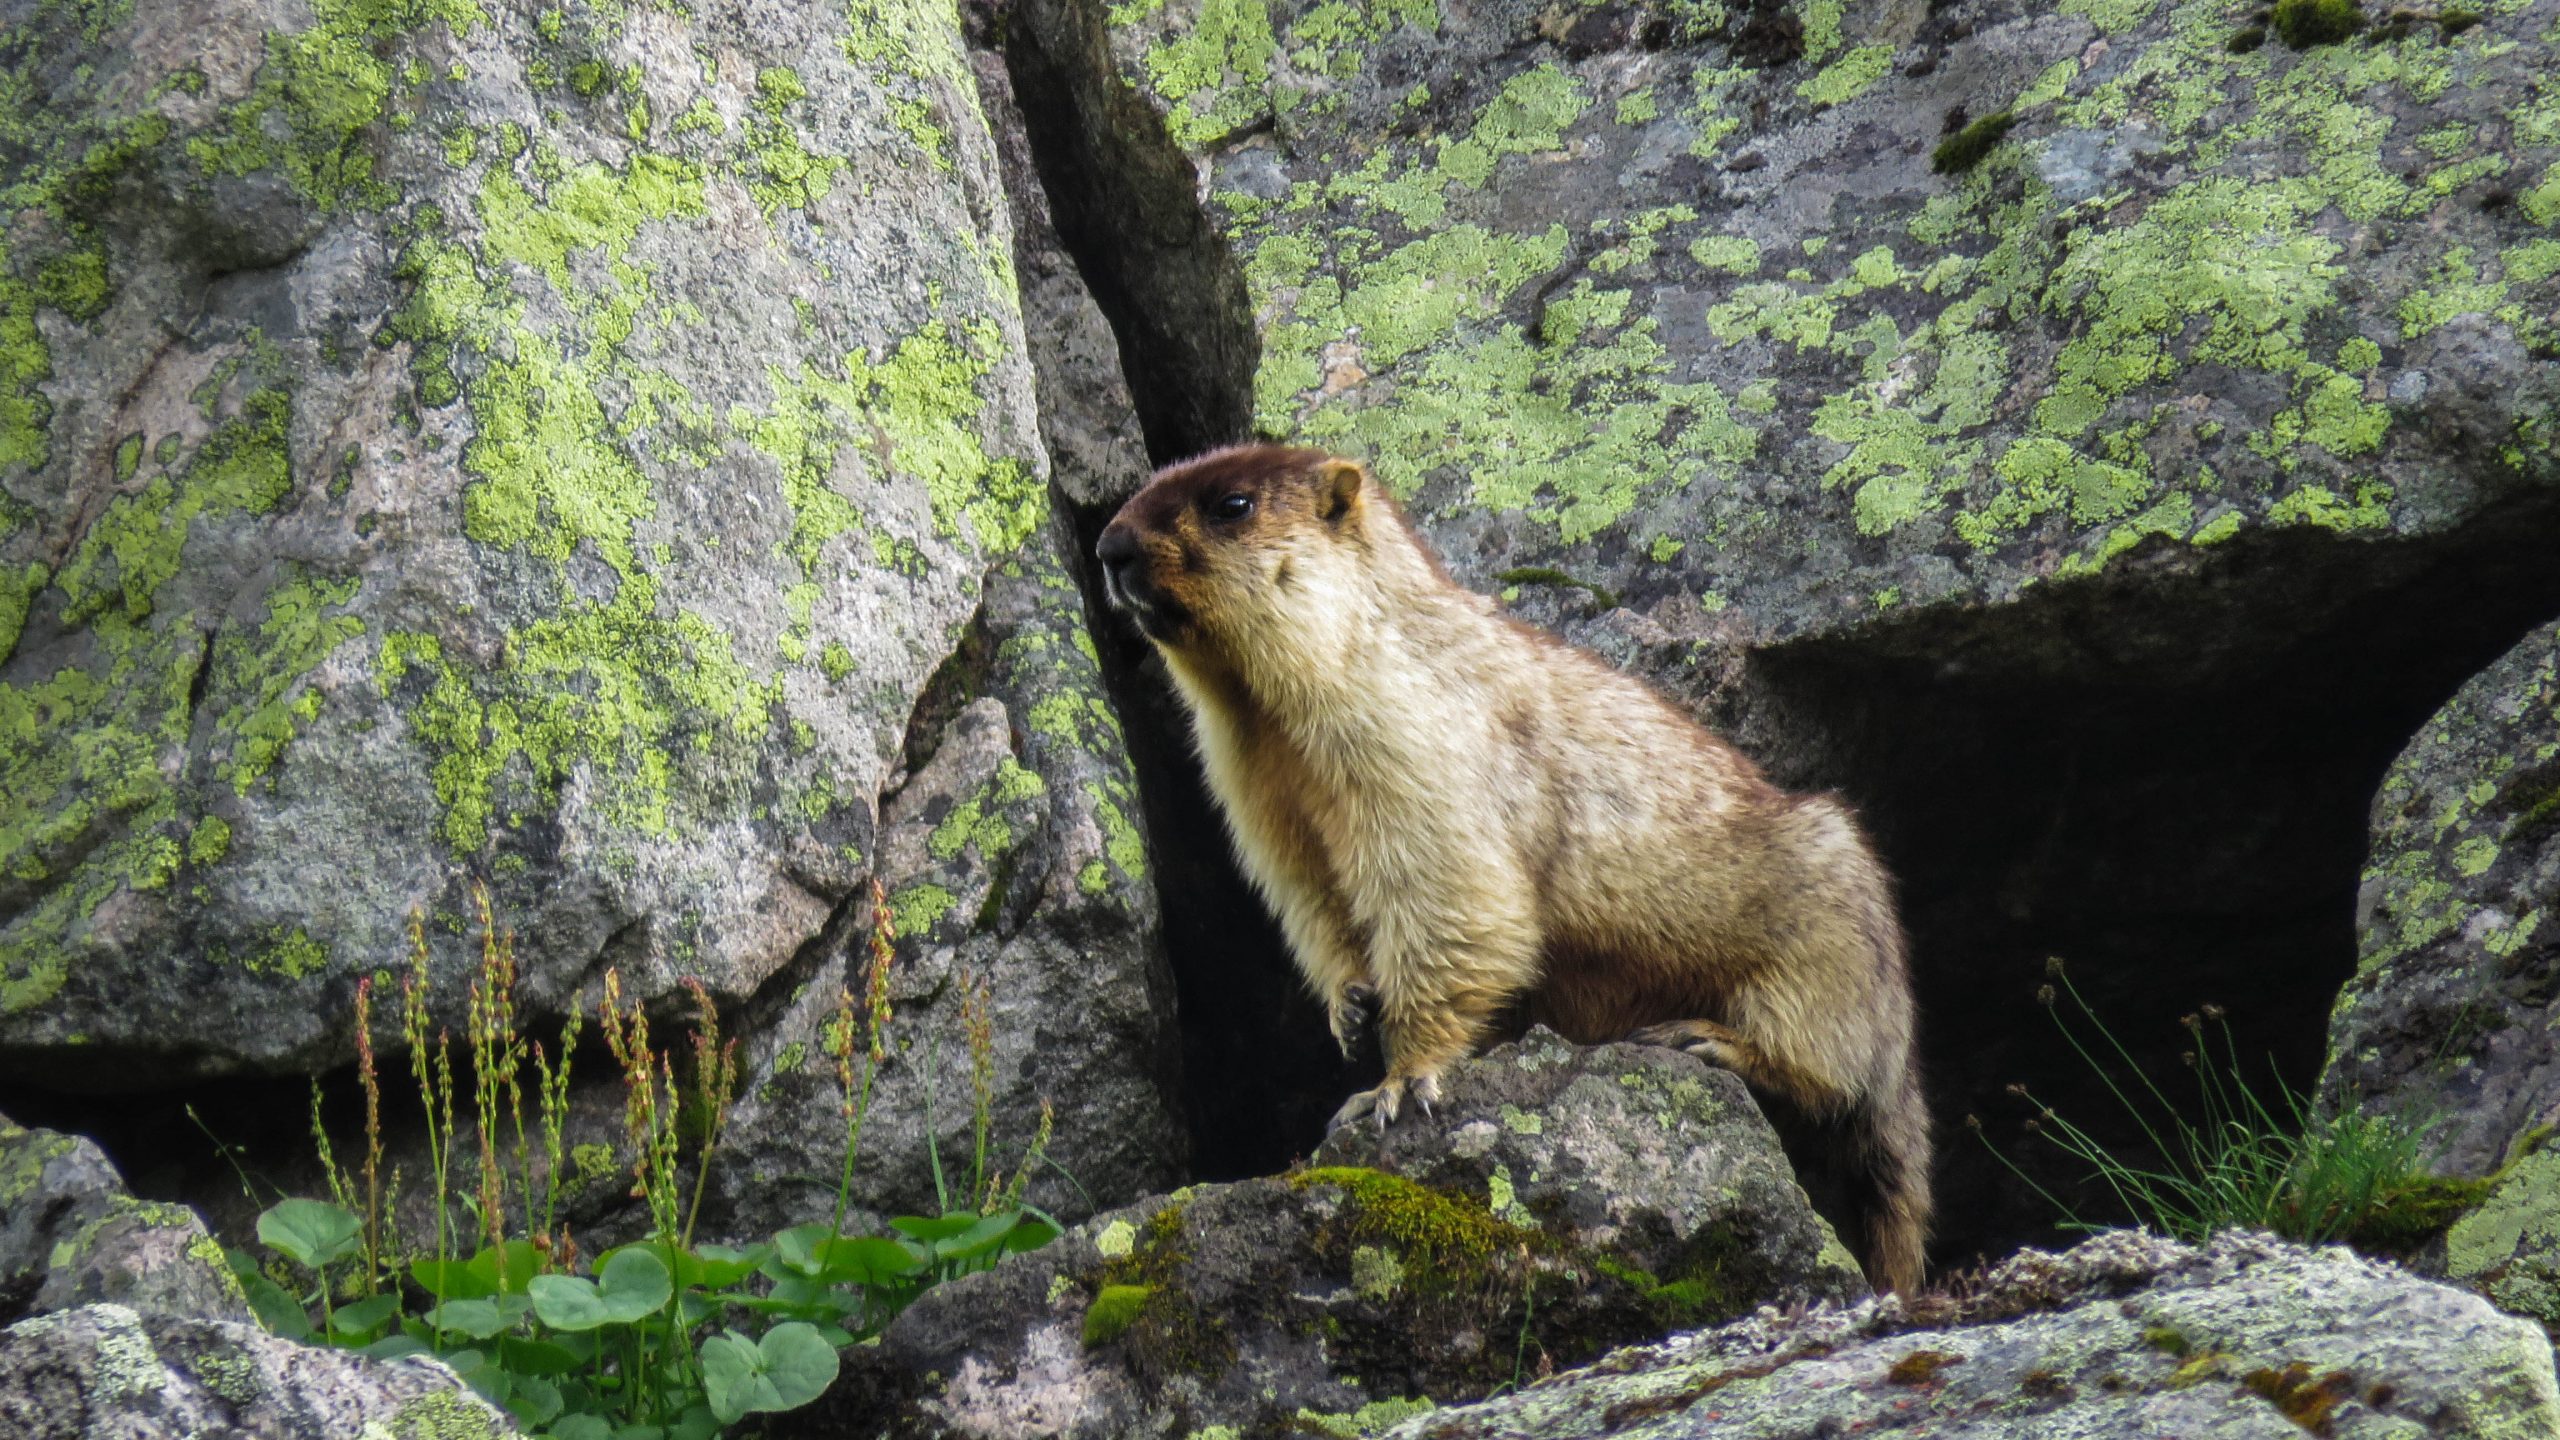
column 1338, row 485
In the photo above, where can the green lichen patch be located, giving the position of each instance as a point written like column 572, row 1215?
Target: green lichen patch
column 319, row 93
column 90, row 803
column 1375, row 1418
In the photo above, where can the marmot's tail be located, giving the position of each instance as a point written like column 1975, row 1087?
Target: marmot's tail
column 1887, row 1170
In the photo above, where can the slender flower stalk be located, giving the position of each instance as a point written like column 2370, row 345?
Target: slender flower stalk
column 977, row 1021
column 367, row 1077
column 715, row 1089
column 866, row 1036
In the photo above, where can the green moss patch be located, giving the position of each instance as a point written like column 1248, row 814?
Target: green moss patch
column 1113, row 1311
column 1143, row 1303
column 1445, row 1244
column 1965, row 148
column 2305, row 23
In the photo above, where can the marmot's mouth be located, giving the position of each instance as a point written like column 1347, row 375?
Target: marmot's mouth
column 1117, row 592
column 1157, row 617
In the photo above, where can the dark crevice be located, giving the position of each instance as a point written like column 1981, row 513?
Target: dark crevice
column 1125, row 201
column 202, row 680
column 2161, row 776
column 1260, row 1074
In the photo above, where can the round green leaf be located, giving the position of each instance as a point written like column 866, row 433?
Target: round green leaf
column 733, row 1377
column 537, row 1357
column 311, row 1233
column 634, row 1284
column 565, row 1302
column 581, row 1427
column 478, row 1319
column 361, row 1318
column 799, row 1362
column 275, row 1309
column 392, row 1347
column 696, row 1423
column 717, row 1267
column 532, row 1399
column 452, row 1279
column 506, row 1268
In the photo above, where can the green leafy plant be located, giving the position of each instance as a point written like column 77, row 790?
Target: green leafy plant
column 2236, row 1154
column 661, row 1339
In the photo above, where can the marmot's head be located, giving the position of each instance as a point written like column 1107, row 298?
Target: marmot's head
column 1218, row 549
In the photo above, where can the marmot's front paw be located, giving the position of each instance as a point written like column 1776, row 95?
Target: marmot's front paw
column 1388, row 1100
column 1354, row 1016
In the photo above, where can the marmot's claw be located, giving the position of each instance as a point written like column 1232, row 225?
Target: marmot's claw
column 1425, row 1090
column 1354, row 1109
column 1387, row 1101
column 1353, row 1017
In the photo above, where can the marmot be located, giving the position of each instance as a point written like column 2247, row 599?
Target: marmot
column 1464, row 815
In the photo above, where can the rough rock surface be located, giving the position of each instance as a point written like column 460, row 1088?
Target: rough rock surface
column 2449, row 1016
column 1620, row 1146
column 1671, row 301
column 2447, row 1022
column 1514, row 1236
column 70, row 1234
column 2123, row 1335
column 2507, row 1247
column 103, row 1372
column 445, row 439
column 1014, row 864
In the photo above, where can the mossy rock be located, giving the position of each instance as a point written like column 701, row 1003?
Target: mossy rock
column 1369, row 1286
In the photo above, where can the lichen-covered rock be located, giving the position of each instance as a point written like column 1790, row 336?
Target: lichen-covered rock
column 2123, row 1335
column 2448, row 1019
column 104, row 1372
column 2507, row 1246
column 1014, row 867
column 1686, row 307
column 450, row 439
column 1468, row 1251
column 70, row 1234
column 1663, row 1165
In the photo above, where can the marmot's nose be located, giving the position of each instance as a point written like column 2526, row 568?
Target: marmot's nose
column 1118, row 550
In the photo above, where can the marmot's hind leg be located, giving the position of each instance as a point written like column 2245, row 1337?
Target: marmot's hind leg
column 1729, row 1049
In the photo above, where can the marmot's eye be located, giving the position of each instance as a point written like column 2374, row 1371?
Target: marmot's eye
column 1232, row 507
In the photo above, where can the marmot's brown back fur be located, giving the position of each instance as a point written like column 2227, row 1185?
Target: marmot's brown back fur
column 1460, row 813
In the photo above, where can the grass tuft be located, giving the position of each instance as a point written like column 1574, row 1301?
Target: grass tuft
column 2239, row 1156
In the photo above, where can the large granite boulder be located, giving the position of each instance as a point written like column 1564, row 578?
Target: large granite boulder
column 1680, row 302
column 555, row 447
column 1563, row 1201
column 2448, row 1019
column 105, row 1371
column 2123, row 1335
column 71, row 1235
column 2447, row 1023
